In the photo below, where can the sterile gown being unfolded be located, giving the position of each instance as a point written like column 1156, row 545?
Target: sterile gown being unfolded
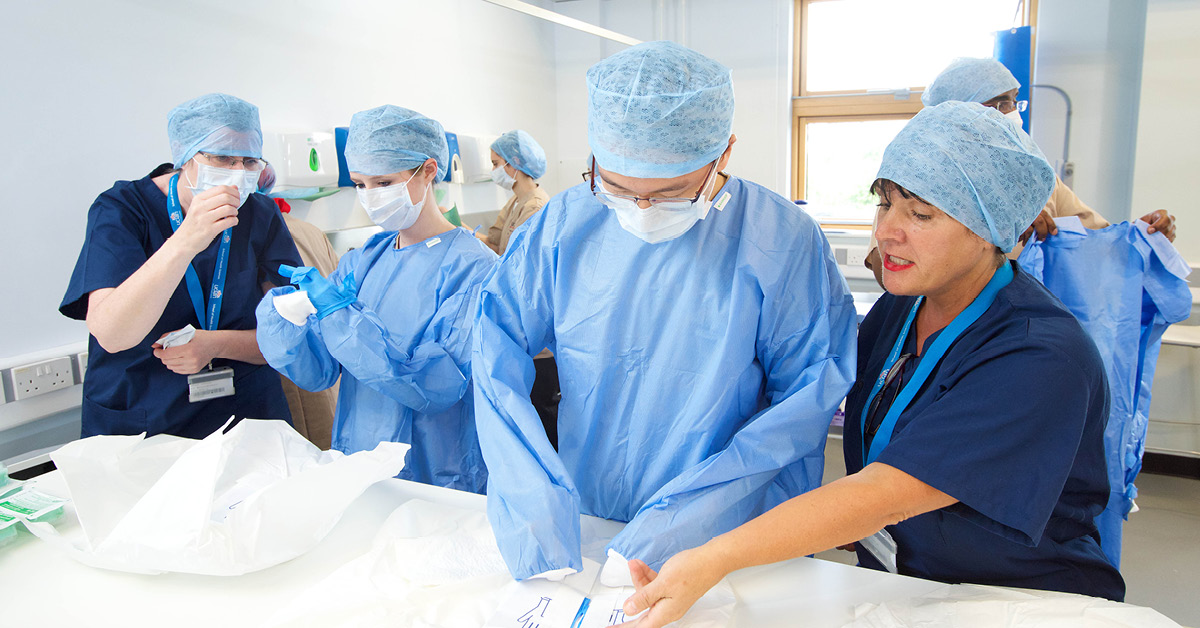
column 402, row 349
column 698, row 375
column 1126, row 286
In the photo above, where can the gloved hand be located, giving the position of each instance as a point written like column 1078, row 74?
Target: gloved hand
column 325, row 296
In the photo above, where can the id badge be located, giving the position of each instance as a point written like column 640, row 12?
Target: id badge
column 212, row 384
column 883, row 548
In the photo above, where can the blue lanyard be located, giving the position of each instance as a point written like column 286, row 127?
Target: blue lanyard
column 929, row 361
column 175, row 213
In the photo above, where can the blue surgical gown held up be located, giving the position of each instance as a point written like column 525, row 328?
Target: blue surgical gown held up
column 698, row 375
column 130, row 392
column 1126, row 287
column 402, row 350
column 1011, row 424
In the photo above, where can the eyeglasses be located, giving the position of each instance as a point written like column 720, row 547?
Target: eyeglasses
column 225, row 161
column 672, row 203
column 1008, row 106
column 892, row 377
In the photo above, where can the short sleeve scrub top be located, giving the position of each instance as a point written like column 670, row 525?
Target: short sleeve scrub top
column 131, row 391
column 1011, row 424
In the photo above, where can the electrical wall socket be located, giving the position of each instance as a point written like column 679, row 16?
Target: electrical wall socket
column 852, row 256
column 80, row 366
column 31, row 380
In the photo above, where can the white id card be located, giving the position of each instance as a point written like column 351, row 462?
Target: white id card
column 212, row 384
column 883, row 548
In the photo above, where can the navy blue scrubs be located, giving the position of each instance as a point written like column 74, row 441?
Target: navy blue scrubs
column 1011, row 424
column 131, row 391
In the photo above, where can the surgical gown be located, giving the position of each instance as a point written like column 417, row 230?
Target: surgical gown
column 131, row 391
column 1126, row 287
column 402, row 350
column 698, row 375
column 1011, row 424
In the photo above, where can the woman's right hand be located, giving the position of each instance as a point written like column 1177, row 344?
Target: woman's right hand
column 211, row 212
column 669, row 593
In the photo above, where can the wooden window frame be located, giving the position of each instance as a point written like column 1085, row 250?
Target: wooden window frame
column 850, row 105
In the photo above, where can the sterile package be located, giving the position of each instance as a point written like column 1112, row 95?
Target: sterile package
column 178, row 337
column 438, row 566
column 32, row 505
column 971, row 606
column 232, row 503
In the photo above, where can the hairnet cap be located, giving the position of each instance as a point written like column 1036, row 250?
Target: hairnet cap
column 658, row 110
column 391, row 139
column 214, row 123
column 969, row 80
column 974, row 164
column 520, row 150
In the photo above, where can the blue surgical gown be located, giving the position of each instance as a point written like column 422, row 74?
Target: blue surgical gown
column 402, row 350
column 1125, row 286
column 1011, row 424
column 130, row 392
column 698, row 375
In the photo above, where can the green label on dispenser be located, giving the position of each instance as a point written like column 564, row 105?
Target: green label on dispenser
column 314, row 162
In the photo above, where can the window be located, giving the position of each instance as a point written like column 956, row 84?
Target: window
column 860, row 68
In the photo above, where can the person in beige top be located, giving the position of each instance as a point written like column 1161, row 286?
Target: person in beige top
column 988, row 82
column 312, row 412
column 517, row 162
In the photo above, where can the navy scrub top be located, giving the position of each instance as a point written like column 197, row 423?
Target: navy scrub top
column 131, row 392
column 1011, row 424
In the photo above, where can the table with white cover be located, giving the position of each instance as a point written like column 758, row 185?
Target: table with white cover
column 40, row 586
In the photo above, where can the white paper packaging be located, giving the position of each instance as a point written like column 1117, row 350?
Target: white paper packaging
column 230, row 504
column 437, row 566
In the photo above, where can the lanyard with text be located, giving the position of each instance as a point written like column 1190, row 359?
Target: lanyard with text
column 929, row 361
column 175, row 212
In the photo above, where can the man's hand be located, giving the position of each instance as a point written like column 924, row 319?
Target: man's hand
column 1043, row 226
column 1160, row 220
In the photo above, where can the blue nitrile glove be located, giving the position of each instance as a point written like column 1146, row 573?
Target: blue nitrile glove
column 325, row 296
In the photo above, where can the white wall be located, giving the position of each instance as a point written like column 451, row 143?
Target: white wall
column 1168, row 140
column 87, row 87
column 1093, row 50
column 754, row 41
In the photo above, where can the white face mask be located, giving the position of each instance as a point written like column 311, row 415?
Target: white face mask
column 1015, row 116
column 391, row 207
column 207, row 177
column 501, row 178
column 663, row 221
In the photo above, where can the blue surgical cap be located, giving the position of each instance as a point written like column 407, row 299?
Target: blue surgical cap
column 214, row 123
column 969, row 80
column 391, row 139
column 974, row 164
column 658, row 110
column 521, row 152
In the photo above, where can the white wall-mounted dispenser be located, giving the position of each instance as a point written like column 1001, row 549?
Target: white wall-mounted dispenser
column 302, row 159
